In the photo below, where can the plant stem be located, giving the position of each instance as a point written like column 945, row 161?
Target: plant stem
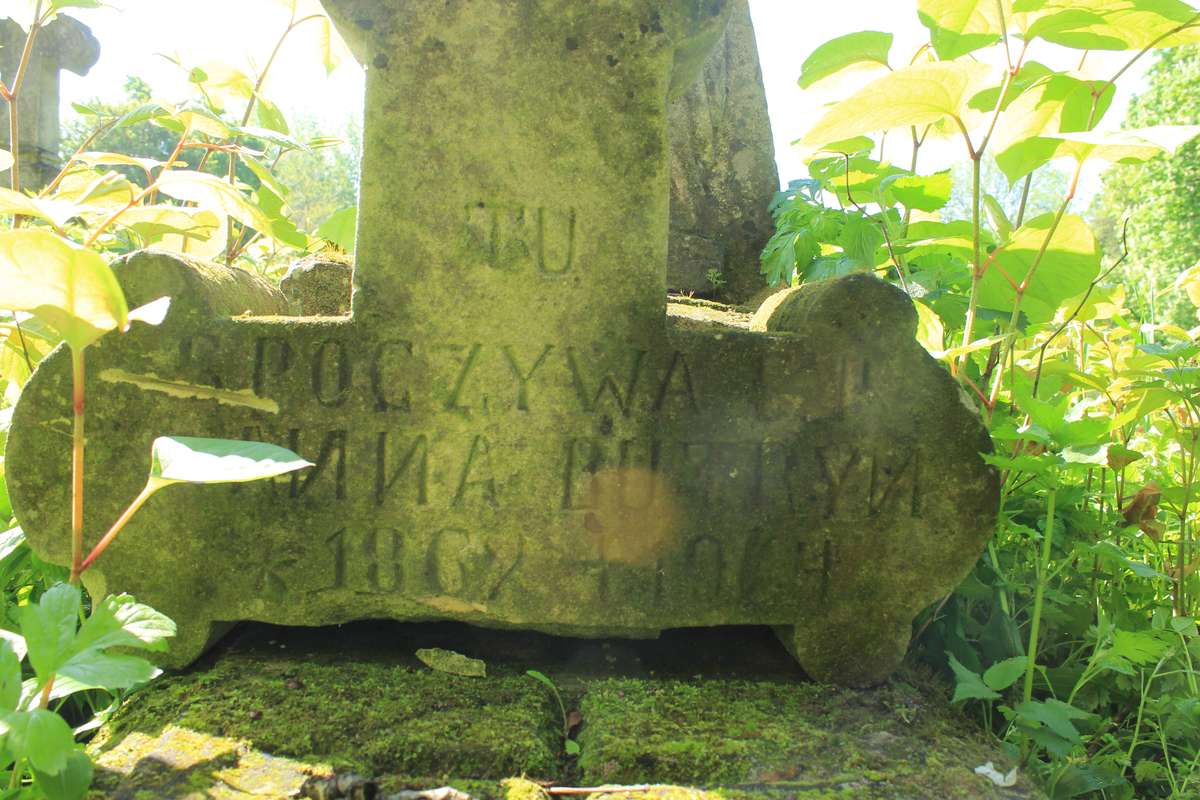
column 77, row 445
column 1039, row 595
column 151, row 487
column 976, row 271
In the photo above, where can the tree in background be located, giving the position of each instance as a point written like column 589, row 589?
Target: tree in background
column 1161, row 197
column 320, row 181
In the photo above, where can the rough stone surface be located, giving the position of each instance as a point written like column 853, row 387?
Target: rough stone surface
column 318, row 287
column 723, row 172
column 508, row 430
column 725, row 713
column 66, row 44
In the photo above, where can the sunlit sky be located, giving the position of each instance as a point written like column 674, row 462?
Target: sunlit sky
column 243, row 32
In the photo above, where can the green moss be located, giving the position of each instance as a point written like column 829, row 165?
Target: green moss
column 806, row 740
column 374, row 717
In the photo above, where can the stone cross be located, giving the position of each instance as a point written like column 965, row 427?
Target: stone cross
column 509, row 429
column 64, row 44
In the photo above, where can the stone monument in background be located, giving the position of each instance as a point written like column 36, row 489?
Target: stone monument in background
column 723, row 173
column 64, row 44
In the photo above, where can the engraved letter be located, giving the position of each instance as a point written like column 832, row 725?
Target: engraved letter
column 556, row 255
column 523, row 377
column 677, row 372
column 264, row 364
column 331, row 351
column 456, row 393
column 477, row 472
column 417, row 457
column 624, row 402
column 380, row 382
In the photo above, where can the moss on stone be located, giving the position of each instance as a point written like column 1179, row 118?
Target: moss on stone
column 376, row 718
column 805, row 740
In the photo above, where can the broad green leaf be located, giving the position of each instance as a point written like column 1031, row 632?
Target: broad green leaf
column 1071, row 262
column 6, row 160
column 196, row 118
column 282, row 228
column 41, row 736
column 269, row 116
column 182, row 459
column 341, row 228
column 99, row 670
column 118, row 159
column 1059, row 103
column 152, row 223
column 71, row 783
column 1055, row 715
column 1109, row 454
column 958, row 27
column 931, row 332
column 1113, row 24
column 71, row 288
column 997, row 218
column 1111, row 552
column 10, row 678
column 921, row 94
column 968, row 684
column 224, row 84
column 16, row 203
column 49, row 628
column 1131, row 146
column 268, row 136
column 1005, row 673
column 853, row 49
column 120, row 621
column 214, row 194
column 922, row 192
column 572, row 747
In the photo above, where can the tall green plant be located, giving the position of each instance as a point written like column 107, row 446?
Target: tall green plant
column 1082, row 607
column 70, row 289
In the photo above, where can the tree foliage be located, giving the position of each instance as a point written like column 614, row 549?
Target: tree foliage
column 1160, row 198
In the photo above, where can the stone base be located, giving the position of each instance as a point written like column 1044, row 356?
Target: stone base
column 723, row 709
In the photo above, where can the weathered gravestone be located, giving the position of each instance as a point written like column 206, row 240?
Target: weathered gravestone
column 64, row 44
column 723, row 173
column 509, row 430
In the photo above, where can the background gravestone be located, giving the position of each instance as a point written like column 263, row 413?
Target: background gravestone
column 723, row 173
column 66, row 44
column 508, row 430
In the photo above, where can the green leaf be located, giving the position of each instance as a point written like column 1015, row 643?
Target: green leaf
column 1114, row 24
column 41, row 736
column 572, row 747
column 269, row 116
column 152, row 223
column 69, row 784
column 922, row 192
column 1109, row 454
column 341, row 228
column 1111, row 552
column 1071, row 262
column 968, row 684
column 1130, row 146
column 998, row 219
column 183, row 459
column 921, row 94
column 10, row 677
column 120, row 621
column 1059, row 103
column 958, row 27
column 1005, row 673
column 864, row 47
column 49, row 628
column 1055, row 715
column 214, row 194
column 70, row 288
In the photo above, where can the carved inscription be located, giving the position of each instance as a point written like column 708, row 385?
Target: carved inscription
column 516, row 238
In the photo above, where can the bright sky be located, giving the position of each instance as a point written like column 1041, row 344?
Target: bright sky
column 242, row 32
